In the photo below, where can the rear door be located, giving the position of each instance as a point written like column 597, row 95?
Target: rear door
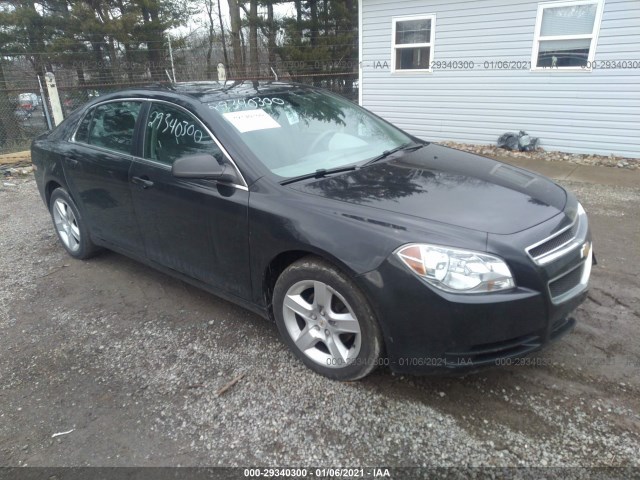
column 97, row 167
column 196, row 227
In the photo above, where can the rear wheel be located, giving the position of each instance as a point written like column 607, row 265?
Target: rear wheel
column 326, row 320
column 69, row 225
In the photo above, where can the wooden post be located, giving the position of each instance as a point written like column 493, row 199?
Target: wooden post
column 54, row 99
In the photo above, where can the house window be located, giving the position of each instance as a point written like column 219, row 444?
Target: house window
column 566, row 35
column 413, row 43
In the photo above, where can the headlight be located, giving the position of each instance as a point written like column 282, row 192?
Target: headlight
column 455, row 270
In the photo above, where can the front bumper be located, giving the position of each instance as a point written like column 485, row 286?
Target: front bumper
column 430, row 331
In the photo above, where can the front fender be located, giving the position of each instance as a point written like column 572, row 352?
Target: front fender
column 355, row 238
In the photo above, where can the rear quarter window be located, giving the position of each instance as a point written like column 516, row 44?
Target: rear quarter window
column 110, row 125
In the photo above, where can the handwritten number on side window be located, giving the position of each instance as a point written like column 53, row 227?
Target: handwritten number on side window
column 176, row 128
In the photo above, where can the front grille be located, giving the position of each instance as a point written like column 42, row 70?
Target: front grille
column 566, row 283
column 554, row 242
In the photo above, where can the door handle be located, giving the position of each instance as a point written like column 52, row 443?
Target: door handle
column 142, row 181
column 73, row 162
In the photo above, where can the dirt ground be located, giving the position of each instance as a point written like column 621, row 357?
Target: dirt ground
column 128, row 362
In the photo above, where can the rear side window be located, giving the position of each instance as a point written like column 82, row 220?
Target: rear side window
column 110, row 125
column 171, row 133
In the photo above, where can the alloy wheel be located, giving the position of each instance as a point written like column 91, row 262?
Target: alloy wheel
column 66, row 224
column 322, row 324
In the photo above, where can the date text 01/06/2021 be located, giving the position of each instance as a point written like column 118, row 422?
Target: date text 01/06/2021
column 509, row 65
column 369, row 472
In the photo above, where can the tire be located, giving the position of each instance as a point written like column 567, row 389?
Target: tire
column 326, row 320
column 70, row 226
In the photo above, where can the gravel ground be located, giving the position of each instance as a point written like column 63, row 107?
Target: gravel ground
column 131, row 361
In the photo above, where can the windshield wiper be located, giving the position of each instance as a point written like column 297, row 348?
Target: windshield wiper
column 411, row 146
column 320, row 173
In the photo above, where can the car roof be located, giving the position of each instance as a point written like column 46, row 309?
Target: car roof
column 207, row 91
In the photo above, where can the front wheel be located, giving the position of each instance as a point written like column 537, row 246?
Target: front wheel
column 326, row 320
column 70, row 227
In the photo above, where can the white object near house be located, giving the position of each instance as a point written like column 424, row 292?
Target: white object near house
column 54, row 99
column 222, row 73
column 468, row 71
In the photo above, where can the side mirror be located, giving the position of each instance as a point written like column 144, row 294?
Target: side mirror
column 202, row 166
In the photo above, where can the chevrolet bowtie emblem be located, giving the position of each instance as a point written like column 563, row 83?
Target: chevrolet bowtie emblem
column 584, row 251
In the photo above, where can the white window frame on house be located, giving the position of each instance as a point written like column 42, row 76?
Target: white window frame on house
column 394, row 47
column 593, row 36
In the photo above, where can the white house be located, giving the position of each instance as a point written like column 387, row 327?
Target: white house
column 469, row 70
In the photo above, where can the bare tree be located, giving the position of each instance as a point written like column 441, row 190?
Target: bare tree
column 271, row 35
column 222, row 35
column 253, row 38
column 208, row 5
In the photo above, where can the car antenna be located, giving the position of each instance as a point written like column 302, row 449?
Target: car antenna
column 274, row 73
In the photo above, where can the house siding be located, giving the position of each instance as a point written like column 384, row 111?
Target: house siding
column 579, row 112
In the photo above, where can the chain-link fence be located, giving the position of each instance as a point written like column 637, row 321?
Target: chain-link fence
column 22, row 115
column 25, row 111
column 73, row 95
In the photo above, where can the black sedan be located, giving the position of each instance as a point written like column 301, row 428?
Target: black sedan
column 364, row 244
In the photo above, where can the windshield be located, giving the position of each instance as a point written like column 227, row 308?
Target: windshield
column 299, row 132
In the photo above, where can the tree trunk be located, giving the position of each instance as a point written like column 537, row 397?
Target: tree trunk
column 313, row 4
column 106, row 72
column 128, row 58
column 236, row 27
column 222, row 34
column 209, row 7
column 298, row 4
column 351, row 26
column 84, row 94
column 243, row 51
column 271, row 39
column 151, row 18
column 325, row 12
column 253, row 38
column 36, row 40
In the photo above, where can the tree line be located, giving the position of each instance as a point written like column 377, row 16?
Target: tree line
column 111, row 40
column 90, row 44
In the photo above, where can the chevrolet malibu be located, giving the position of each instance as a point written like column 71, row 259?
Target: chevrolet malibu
column 366, row 246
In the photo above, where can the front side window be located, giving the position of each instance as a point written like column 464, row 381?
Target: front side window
column 172, row 133
column 301, row 131
column 566, row 34
column 110, row 126
column 413, row 43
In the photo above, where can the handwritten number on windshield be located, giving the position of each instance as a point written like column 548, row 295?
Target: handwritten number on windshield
column 224, row 106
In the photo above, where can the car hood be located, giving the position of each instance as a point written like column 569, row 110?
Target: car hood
column 450, row 186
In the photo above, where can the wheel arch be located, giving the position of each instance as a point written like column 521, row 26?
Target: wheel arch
column 49, row 188
column 280, row 262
